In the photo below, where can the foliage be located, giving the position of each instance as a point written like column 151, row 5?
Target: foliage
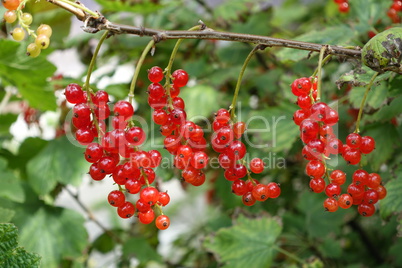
column 209, row 225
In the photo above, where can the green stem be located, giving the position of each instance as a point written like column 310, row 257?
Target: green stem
column 287, row 253
column 92, row 63
column 319, row 72
column 168, row 68
column 359, row 116
column 327, row 58
column 240, row 78
column 94, row 14
column 138, row 68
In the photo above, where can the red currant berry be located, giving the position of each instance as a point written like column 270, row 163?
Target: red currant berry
column 317, row 185
column 319, row 111
column 300, row 115
column 274, row 189
column 102, row 112
column 123, row 108
column 315, row 169
column 248, row 199
column 96, row 173
column 178, row 103
column 156, row 91
column 366, row 210
column 382, row 192
column 84, row 135
column 238, row 129
column 155, row 157
column 155, row 74
column 331, row 204
column 356, row 191
column 135, row 136
column 126, row 210
column 304, row 102
column 174, row 91
column 353, row 140
column 180, row 78
column 116, row 198
column 133, row 186
column 178, row 116
column 333, row 190
column 222, row 116
column 172, row 144
column 344, row 7
column 146, row 217
column 345, row 201
column 240, row 170
column 335, row 146
column 256, row 165
column 370, row 196
column 360, row 176
column 164, row 198
column 303, row 85
column 142, row 206
column 150, row 195
column 93, row 152
column 260, row 192
column 162, row 222
column 236, row 150
column 373, row 180
column 367, row 145
column 199, row 160
column 101, row 98
column 74, row 94
column 338, row 177
column 352, row 156
column 239, row 187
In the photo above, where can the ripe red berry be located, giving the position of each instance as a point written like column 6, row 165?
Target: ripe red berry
column 374, row 180
column 370, row 196
column 150, row 195
column 356, row 191
column 344, row 7
column 126, row 210
column 303, row 85
column 222, row 116
column 178, row 116
column 199, row 160
column 352, row 156
column 238, row 129
column 239, row 187
column 101, row 98
column 93, row 152
column 274, row 190
column 178, row 103
column 155, row 74
column 164, row 198
column 236, row 150
column 353, row 140
column 162, row 222
column 382, row 192
column 133, row 186
column 156, row 91
column 317, row 185
column 146, row 217
column 248, row 199
column 345, row 201
column 135, row 136
column 367, row 145
column 256, row 165
column 180, row 78
column 84, row 135
column 315, row 169
column 338, row 177
column 240, row 170
column 331, row 204
column 96, row 173
column 11, row 4
column 260, row 192
column 360, row 176
column 333, row 190
column 116, row 198
column 304, row 101
column 300, row 115
column 123, row 108
column 366, row 210
column 142, row 206
column 74, row 94
column 155, row 157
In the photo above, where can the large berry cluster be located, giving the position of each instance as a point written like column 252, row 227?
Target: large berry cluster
column 43, row 32
column 117, row 153
column 316, row 120
column 226, row 141
column 183, row 138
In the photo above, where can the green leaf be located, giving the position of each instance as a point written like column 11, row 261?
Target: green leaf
column 360, row 77
column 28, row 74
column 10, row 254
column 6, row 121
column 10, row 186
column 318, row 222
column 248, row 243
column 274, row 127
column 382, row 52
column 6, row 214
column 393, row 201
column 385, row 143
column 104, row 243
column 375, row 99
column 200, row 95
column 60, row 161
column 231, row 10
column 139, row 248
column 128, row 6
column 335, row 35
column 387, row 112
column 55, row 233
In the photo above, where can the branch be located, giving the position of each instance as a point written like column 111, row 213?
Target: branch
column 93, row 25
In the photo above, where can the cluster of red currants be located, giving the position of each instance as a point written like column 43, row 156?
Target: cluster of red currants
column 316, row 120
column 226, row 141
column 117, row 153
column 183, row 138
column 393, row 11
column 343, row 5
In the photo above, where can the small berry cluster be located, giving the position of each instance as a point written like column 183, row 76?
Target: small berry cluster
column 226, row 141
column 316, row 120
column 343, row 5
column 117, row 154
column 43, row 32
column 393, row 11
column 183, row 138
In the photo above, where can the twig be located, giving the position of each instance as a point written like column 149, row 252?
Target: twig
column 160, row 35
column 92, row 217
